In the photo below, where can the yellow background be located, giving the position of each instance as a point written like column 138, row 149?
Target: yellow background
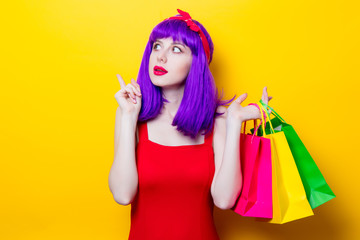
column 58, row 66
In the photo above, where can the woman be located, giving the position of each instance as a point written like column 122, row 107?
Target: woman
column 176, row 145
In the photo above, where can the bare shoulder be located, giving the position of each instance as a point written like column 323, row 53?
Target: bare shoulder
column 220, row 126
column 221, row 119
column 221, row 109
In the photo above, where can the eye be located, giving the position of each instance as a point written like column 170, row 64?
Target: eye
column 178, row 48
column 155, row 45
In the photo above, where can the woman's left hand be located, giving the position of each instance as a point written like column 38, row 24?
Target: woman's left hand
column 238, row 113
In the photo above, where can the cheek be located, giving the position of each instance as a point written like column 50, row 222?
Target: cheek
column 151, row 58
column 151, row 62
column 185, row 67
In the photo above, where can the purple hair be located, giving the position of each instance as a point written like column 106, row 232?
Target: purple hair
column 197, row 110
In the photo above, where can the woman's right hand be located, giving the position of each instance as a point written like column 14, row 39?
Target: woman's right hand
column 129, row 97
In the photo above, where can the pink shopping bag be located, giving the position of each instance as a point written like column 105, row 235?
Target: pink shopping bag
column 255, row 199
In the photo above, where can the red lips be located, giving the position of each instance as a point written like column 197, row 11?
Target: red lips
column 158, row 70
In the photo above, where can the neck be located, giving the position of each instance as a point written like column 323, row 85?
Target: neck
column 174, row 96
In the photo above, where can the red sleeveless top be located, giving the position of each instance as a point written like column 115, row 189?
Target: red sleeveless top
column 173, row 201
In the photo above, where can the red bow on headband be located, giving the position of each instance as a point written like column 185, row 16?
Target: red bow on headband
column 187, row 18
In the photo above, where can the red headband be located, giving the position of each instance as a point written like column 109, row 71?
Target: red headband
column 186, row 17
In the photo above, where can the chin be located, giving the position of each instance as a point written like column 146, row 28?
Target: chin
column 156, row 81
column 159, row 80
column 164, row 82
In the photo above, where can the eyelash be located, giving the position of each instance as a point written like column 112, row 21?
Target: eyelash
column 158, row 44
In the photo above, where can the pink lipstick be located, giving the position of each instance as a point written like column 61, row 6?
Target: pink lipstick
column 158, row 70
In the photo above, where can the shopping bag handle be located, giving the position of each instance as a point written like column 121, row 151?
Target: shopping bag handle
column 255, row 123
column 272, row 111
column 244, row 129
column 262, row 118
column 271, row 127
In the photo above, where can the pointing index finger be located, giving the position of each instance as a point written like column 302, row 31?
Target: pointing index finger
column 121, row 81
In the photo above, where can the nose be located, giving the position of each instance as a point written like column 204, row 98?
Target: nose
column 162, row 57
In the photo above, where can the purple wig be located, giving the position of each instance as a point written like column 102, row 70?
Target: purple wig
column 197, row 110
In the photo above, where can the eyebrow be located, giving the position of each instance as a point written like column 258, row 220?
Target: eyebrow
column 172, row 43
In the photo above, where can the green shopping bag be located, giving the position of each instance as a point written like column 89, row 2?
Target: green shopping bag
column 317, row 190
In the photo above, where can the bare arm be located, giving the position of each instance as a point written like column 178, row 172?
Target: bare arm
column 123, row 177
column 227, row 181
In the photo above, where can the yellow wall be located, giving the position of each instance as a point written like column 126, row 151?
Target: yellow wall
column 58, row 66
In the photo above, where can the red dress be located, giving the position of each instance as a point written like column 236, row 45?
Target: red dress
column 173, row 201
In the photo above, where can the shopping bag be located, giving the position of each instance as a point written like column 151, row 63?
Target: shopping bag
column 289, row 197
column 317, row 190
column 255, row 199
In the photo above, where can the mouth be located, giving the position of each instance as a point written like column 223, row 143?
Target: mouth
column 159, row 70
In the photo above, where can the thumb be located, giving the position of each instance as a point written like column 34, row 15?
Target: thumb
column 241, row 98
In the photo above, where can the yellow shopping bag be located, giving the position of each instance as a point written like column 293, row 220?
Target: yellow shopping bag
column 289, row 196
